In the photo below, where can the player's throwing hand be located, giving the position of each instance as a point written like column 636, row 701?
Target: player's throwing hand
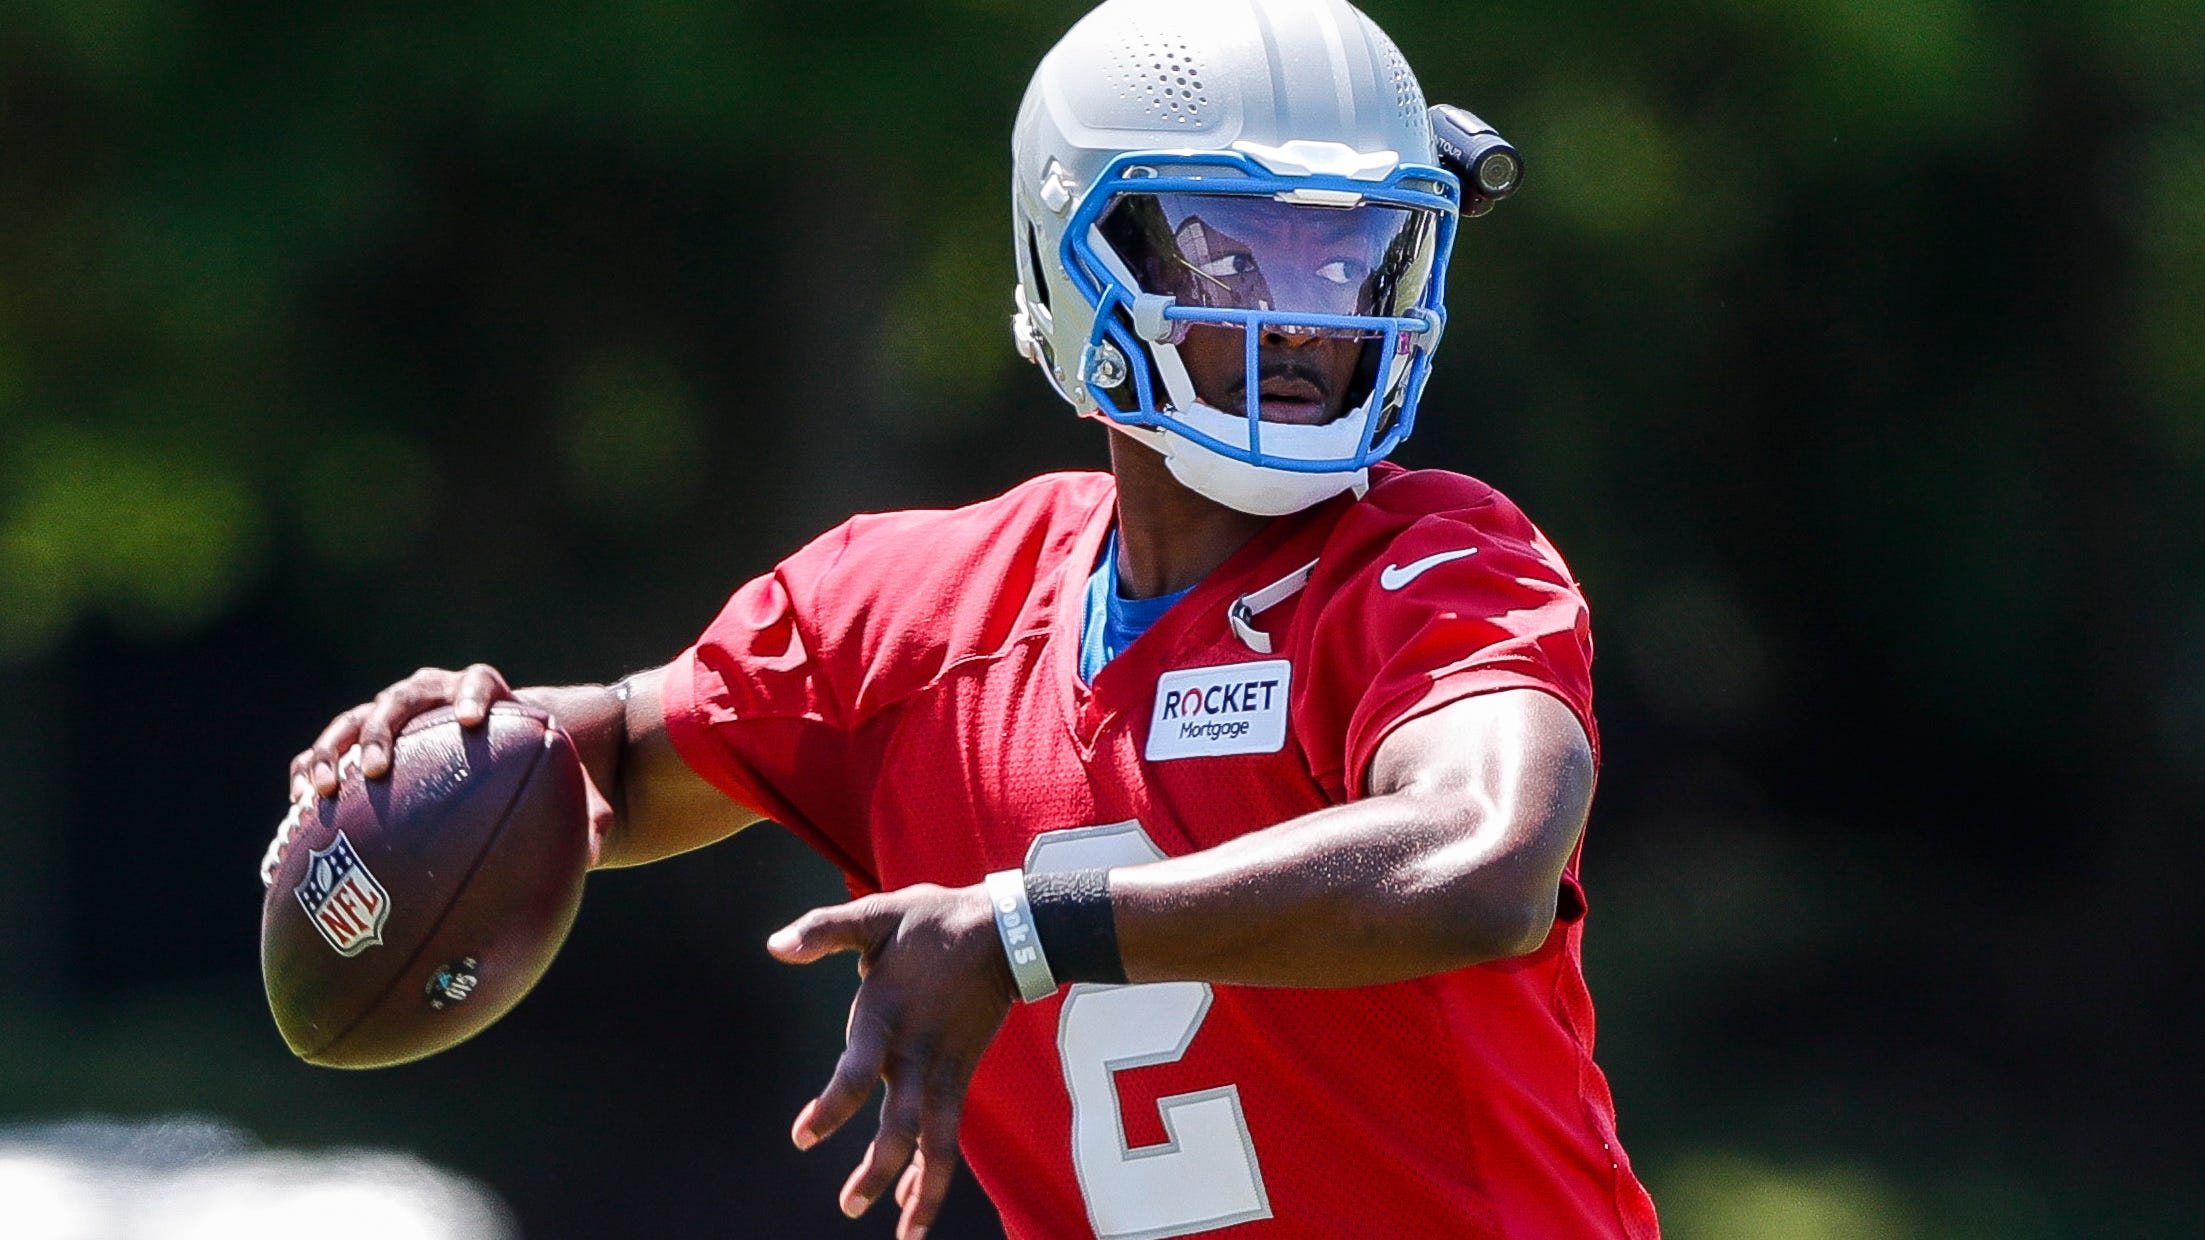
column 374, row 726
column 936, row 988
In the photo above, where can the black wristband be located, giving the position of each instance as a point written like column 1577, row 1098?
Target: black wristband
column 1076, row 925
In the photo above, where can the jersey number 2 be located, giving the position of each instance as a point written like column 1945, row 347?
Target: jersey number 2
column 1204, row 1175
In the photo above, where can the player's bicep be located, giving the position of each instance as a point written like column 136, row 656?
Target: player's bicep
column 1513, row 770
column 663, row 805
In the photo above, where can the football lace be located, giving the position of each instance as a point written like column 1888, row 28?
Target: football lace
column 271, row 860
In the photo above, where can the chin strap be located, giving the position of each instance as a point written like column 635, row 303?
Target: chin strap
column 1247, row 607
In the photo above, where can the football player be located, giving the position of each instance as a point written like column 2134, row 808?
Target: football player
column 1212, row 823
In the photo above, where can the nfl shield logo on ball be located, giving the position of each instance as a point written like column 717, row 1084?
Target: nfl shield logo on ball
column 342, row 899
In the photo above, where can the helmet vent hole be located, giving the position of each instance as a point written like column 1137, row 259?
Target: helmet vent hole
column 1159, row 71
column 1408, row 96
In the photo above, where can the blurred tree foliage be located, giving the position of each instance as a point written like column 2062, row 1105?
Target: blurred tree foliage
column 1853, row 349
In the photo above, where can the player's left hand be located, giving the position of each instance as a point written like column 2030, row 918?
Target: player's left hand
column 936, row 988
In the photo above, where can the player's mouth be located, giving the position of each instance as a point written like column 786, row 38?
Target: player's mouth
column 1291, row 393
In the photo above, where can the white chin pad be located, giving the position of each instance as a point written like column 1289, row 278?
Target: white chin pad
column 1337, row 440
column 1257, row 489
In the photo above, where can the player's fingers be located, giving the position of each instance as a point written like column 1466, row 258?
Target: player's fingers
column 855, row 1074
column 907, row 1184
column 851, row 927
column 891, row 1148
column 479, row 685
column 423, row 691
column 341, row 734
column 936, row 1162
column 302, row 781
column 932, row 1189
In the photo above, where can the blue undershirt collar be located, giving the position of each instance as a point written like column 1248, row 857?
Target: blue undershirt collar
column 1112, row 620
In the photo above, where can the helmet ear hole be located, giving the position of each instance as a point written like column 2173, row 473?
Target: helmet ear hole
column 1033, row 260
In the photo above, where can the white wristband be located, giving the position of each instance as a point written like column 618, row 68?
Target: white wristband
column 1014, row 921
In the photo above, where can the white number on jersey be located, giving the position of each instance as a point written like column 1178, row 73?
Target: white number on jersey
column 1204, row 1176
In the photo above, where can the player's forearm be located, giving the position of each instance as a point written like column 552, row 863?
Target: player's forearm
column 1455, row 859
column 595, row 717
column 1373, row 891
column 651, row 805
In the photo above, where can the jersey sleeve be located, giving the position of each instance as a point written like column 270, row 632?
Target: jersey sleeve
column 756, row 706
column 791, row 700
column 1436, row 589
column 1417, row 610
column 1507, row 616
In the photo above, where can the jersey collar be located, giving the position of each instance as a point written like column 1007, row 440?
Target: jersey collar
column 1200, row 618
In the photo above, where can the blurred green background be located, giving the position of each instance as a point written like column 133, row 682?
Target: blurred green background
column 1852, row 350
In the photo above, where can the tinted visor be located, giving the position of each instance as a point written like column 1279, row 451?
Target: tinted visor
column 1244, row 252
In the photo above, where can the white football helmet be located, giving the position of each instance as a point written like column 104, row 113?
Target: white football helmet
column 1260, row 166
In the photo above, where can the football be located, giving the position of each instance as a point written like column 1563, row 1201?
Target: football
column 409, row 913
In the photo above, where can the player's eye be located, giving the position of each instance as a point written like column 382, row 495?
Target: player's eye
column 1227, row 266
column 1342, row 271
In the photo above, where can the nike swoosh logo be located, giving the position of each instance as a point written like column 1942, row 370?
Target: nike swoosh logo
column 1395, row 576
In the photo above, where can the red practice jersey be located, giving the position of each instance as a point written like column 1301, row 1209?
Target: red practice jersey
column 904, row 693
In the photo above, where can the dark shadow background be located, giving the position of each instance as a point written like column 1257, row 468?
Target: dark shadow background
column 1853, row 350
